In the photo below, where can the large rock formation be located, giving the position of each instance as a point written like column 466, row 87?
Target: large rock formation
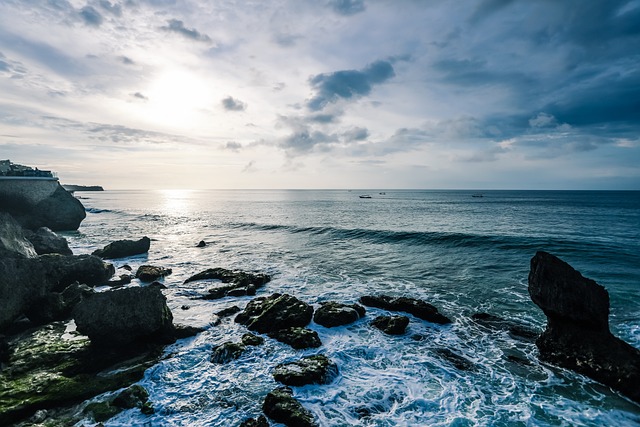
column 316, row 369
column 276, row 312
column 282, row 407
column 332, row 313
column 124, row 248
column 124, row 316
column 234, row 283
column 577, row 334
column 45, row 241
column 13, row 242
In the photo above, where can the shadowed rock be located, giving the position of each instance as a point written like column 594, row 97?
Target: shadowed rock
column 261, row 421
column 275, row 312
column 234, row 283
column 420, row 309
column 45, row 241
column 226, row 352
column 516, row 330
column 296, row 337
column 577, row 336
column 331, row 314
column 149, row 273
column 392, row 325
column 251, row 339
column 282, row 407
column 455, row 359
column 13, row 242
column 317, row 369
column 124, row 248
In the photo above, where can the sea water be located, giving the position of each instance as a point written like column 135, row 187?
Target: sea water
column 461, row 253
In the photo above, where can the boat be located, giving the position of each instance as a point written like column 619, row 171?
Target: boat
column 365, row 196
column 477, row 195
column 383, row 193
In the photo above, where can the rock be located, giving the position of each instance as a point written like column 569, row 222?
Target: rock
column 134, row 396
column 420, row 309
column 296, row 337
column 333, row 313
column 124, row 248
column 59, row 212
column 577, row 335
column 261, row 421
column 455, row 359
column 123, row 279
column 87, row 269
column 318, row 369
column 282, row 407
column 13, row 242
column 250, row 339
column 149, row 273
column 127, row 267
column 201, row 244
column 101, row 411
column 186, row 331
column 235, row 283
column 45, row 241
column 516, row 330
column 275, row 312
column 124, row 316
column 392, row 325
column 229, row 311
column 225, row 353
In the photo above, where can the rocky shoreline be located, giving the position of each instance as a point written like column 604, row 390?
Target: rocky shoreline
column 62, row 343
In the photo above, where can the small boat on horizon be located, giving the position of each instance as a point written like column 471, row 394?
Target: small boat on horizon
column 365, row 196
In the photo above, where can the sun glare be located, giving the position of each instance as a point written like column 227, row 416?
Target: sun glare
column 176, row 202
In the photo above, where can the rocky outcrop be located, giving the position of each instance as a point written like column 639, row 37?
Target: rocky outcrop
column 124, row 316
column 577, row 336
column 149, row 273
column 516, row 330
column 275, row 312
column 65, row 270
column 59, row 211
column 251, row 339
column 392, row 325
column 418, row 308
column 282, row 407
column 124, row 248
column 317, row 369
column 261, row 421
column 233, row 283
column 331, row 314
column 297, row 337
column 57, row 305
column 13, row 242
column 45, row 241
column 226, row 352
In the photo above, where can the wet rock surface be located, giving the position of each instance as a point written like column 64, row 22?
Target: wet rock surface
column 332, row 314
column 234, row 282
column 13, row 240
column 275, row 312
column 261, row 421
column 392, row 325
column 515, row 330
column 226, row 352
column 45, row 241
column 460, row 362
column 296, row 337
column 282, row 407
column 418, row 308
column 124, row 248
column 149, row 273
column 251, row 339
column 577, row 335
column 317, row 369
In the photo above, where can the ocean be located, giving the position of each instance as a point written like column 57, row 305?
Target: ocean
column 462, row 254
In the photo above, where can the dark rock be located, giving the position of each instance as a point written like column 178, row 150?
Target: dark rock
column 235, row 283
column 277, row 311
column 296, row 337
column 57, row 306
column 13, row 242
column 123, row 279
column 392, row 325
column 120, row 317
column 318, row 369
column 186, row 331
column 225, row 353
column 4, row 350
column 185, row 307
column 45, row 241
column 58, row 212
column 101, row 411
column 124, row 248
column 516, row 330
column 333, row 313
column 229, row 311
column 420, row 309
column 65, row 270
column 282, row 407
column 455, row 359
column 253, row 340
column 201, row 244
column 149, row 273
column 261, row 421
column 134, row 396
column 577, row 336
column 127, row 267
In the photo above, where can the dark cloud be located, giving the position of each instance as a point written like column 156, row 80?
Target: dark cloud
column 348, row 84
column 91, row 16
column 126, row 60
column 347, row 7
column 233, row 146
column 488, row 7
column 305, row 141
column 140, row 96
column 113, row 8
column 231, row 104
column 177, row 26
column 356, row 134
column 323, row 118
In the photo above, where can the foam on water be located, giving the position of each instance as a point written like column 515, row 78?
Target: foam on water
column 383, row 380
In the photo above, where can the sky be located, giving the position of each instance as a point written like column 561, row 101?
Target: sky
column 433, row 94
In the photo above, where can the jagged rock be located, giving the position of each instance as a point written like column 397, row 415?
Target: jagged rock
column 253, row 340
column 392, row 325
column 333, row 313
column 65, row 270
column 123, row 316
column 229, row 311
column 226, row 352
column 13, row 242
column 261, row 421
column 124, row 248
column 201, row 244
column 57, row 306
column 455, row 359
column 149, row 273
column 516, row 330
column 123, row 279
column 234, row 283
column 127, row 267
column 317, row 369
column 420, row 309
column 58, row 212
column 282, row 407
column 275, row 312
column 134, row 396
column 296, row 337
column 577, row 336
column 45, row 241
column 186, row 331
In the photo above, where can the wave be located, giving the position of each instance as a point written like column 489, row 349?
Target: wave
column 97, row 211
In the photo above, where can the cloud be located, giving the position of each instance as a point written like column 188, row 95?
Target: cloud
column 177, row 26
column 233, row 146
column 348, row 84
column 127, row 61
column 305, row 141
column 249, row 167
column 232, row 104
column 347, row 7
column 91, row 16
column 115, row 9
column 286, row 40
column 356, row 134
column 140, row 96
